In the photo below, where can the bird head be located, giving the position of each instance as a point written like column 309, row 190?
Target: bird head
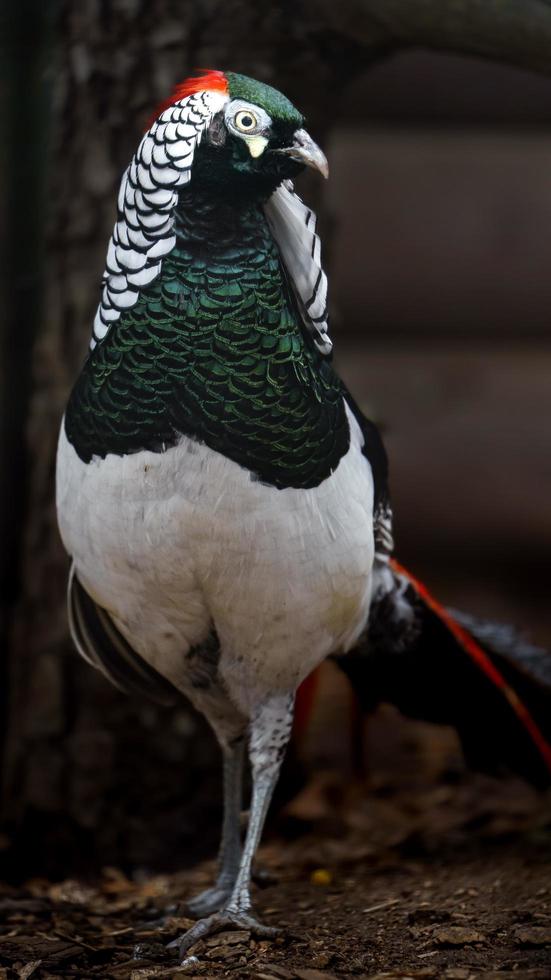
column 256, row 139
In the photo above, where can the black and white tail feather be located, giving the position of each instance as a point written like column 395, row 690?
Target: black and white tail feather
column 293, row 226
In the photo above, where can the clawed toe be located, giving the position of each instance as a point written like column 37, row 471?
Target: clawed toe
column 226, row 919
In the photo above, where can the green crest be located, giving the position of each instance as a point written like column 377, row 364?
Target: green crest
column 258, row 93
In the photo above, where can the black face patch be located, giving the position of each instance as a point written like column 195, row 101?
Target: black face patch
column 217, row 133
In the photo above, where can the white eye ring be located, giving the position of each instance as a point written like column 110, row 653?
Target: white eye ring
column 245, row 121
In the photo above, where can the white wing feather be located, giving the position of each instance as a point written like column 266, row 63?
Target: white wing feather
column 293, row 226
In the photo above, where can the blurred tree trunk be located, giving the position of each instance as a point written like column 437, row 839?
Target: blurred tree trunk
column 89, row 776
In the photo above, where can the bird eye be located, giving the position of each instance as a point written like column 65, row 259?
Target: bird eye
column 245, row 121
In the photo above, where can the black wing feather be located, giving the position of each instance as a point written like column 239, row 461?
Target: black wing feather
column 103, row 646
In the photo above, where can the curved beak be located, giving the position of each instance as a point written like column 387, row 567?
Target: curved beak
column 305, row 151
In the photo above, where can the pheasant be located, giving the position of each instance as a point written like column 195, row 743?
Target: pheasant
column 222, row 498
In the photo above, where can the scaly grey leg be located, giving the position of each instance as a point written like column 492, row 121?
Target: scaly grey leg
column 229, row 855
column 270, row 729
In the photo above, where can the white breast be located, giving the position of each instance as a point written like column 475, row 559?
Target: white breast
column 173, row 543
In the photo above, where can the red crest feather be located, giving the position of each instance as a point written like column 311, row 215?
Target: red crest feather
column 209, row 80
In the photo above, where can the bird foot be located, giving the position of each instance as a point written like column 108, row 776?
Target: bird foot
column 225, row 919
column 211, row 900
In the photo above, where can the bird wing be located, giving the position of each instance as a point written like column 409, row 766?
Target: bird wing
column 293, row 226
column 103, row 646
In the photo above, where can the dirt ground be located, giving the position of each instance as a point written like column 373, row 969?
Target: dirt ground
column 448, row 880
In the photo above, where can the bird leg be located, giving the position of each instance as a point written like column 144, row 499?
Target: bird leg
column 229, row 854
column 270, row 729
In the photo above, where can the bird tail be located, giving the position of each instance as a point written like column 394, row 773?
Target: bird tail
column 446, row 667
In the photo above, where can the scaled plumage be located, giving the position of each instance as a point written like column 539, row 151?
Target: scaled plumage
column 222, row 497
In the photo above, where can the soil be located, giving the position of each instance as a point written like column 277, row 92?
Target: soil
column 450, row 880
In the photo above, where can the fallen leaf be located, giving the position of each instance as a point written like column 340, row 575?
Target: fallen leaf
column 381, row 905
column 227, row 938
column 227, row 952
column 457, row 936
column 321, row 876
column 74, row 892
column 533, row 936
column 314, row 975
column 280, row 972
column 24, row 972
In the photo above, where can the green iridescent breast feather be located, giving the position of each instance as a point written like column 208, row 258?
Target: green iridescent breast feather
column 215, row 349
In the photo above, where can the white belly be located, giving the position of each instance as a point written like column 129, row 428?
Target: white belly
column 175, row 543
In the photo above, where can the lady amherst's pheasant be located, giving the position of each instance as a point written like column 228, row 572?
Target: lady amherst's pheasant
column 222, row 497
